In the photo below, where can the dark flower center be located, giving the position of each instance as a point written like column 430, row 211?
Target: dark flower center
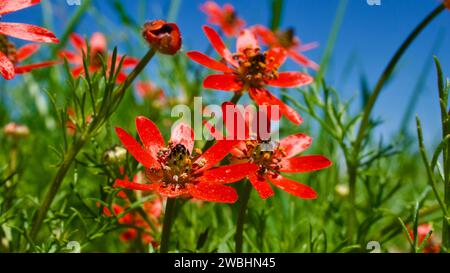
column 177, row 165
column 230, row 17
column 286, row 38
column 265, row 154
column 253, row 69
column 97, row 58
column 8, row 48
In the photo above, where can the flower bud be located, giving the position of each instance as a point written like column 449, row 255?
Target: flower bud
column 162, row 36
column 16, row 131
column 115, row 155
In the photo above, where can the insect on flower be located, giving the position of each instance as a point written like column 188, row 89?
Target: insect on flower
column 250, row 70
column 226, row 18
column 9, row 55
column 162, row 36
column 289, row 42
column 177, row 170
column 98, row 50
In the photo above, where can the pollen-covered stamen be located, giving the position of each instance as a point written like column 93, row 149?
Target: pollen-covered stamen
column 177, row 166
column 268, row 160
column 286, row 38
column 253, row 68
column 8, row 48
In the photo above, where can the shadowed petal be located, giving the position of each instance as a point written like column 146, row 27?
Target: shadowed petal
column 26, row 51
column 291, row 79
column 28, row 32
column 229, row 174
column 213, row 192
column 261, row 186
column 183, row 134
column 208, row 62
column 293, row 187
column 303, row 164
column 215, row 154
column 264, row 97
column 150, row 135
column 136, row 186
column 6, row 67
column 136, row 150
column 266, row 35
column 8, row 6
column 219, row 45
column 295, row 144
column 224, row 82
column 70, row 56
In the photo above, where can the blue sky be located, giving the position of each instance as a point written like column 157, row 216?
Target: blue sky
column 369, row 37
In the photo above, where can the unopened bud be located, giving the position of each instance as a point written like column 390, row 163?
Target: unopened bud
column 162, row 36
column 16, row 130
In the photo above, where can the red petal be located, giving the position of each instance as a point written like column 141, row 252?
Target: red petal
column 246, row 41
column 150, row 135
column 219, row 45
column 121, row 77
column 26, row 51
column 28, row 32
column 8, row 6
column 293, row 187
column 6, row 67
column 261, row 186
column 208, row 62
column 183, row 134
column 130, row 62
column 264, row 97
column 301, row 59
column 136, row 150
column 172, row 191
column 28, row 68
column 305, row 164
column 224, row 82
column 212, row 192
column 291, row 79
column 215, row 154
column 70, row 56
column 136, row 186
column 275, row 58
column 295, row 144
column 229, row 174
column 78, row 42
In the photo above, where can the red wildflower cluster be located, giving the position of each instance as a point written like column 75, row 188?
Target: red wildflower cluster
column 250, row 69
column 226, row 18
column 134, row 220
column 98, row 50
column 177, row 170
column 10, row 56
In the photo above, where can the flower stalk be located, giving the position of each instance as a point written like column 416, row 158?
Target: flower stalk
column 78, row 145
column 243, row 204
column 169, row 218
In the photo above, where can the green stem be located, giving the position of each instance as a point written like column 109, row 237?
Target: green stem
column 354, row 164
column 387, row 74
column 169, row 217
column 243, row 204
column 76, row 147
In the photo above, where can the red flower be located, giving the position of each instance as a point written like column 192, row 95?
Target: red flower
column 8, row 56
column 174, row 171
column 226, row 18
column 98, row 50
column 152, row 208
column 149, row 91
column 422, row 232
column 251, row 70
column 447, row 3
column 288, row 41
column 162, row 36
column 272, row 159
